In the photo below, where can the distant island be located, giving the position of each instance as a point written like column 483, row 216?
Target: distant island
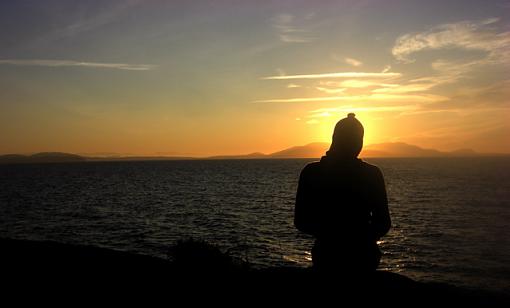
column 388, row 149
column 311, row 150
column 43, row 157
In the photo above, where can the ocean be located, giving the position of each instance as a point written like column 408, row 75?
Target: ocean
column 451, row 216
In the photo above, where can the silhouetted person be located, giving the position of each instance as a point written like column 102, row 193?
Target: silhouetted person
column 342, row 202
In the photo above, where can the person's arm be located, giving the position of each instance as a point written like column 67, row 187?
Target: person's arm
column 303, row 214
column 381, row 221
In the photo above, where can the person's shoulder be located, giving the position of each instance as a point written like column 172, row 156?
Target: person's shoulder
column 373, row 169
column 311, row 167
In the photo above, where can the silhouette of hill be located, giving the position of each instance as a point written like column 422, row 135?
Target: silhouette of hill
column 43, row 157
column 311, row 150
column 138, row 158
column 255, row 155
column 389, row 149
column 13, row 158
column 315, row 149
column 399, row 149
column 464, row 152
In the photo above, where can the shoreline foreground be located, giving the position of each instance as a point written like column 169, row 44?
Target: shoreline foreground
column 196, row 268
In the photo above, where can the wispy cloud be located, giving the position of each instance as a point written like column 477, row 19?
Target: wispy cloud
column 335, row 87
column 88, row 20
column 288, row 30
column 328, row 112
column 330, row 90
column 353, row 62
column 293, row 86
column 335, row 75
column 417, row 87
column 302, row 99
column 357, row 83
column 460, row 111
column 386, row 69
column 447, row 72
column 465, row 34
column 62, row 63
column 417, row 98
column 402, row 110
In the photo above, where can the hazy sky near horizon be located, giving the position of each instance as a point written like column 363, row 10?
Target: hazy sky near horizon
column 229, row 77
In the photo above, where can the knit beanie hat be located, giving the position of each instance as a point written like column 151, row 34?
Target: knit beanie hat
column 347, row 137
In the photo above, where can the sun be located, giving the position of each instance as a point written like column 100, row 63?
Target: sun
column 324, row 130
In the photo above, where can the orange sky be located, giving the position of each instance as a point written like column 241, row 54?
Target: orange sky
column 152, row 78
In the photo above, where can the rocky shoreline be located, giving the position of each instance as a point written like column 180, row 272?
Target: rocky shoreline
column 197, row 267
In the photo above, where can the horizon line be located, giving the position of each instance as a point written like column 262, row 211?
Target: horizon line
column 202, row 156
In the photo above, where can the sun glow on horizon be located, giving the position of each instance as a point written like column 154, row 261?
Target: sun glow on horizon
column 324, row 129
column 193, row 79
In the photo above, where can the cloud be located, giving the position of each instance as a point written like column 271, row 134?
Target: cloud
column 334, row 87
column 288, row 31
column 301, row 99
column 88, row 20
column 335, row 75
column 288, row 38
column 328, row 112
column 356, row 83
column 417, row 87
column 416, row 98
column 467, row 35
column 324, row 112
column 330, row 90
column 353, row 62
column 293, row 86
column 459, row 111
column 447, row 72
column 62, row 63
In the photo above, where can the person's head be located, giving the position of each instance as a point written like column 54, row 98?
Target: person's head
column 347, row 138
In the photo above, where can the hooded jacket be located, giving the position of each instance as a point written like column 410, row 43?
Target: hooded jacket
column 342, row 200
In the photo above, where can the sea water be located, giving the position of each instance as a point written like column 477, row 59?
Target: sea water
column 451, row 216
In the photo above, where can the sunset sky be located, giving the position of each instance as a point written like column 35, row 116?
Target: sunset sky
column 232, row 77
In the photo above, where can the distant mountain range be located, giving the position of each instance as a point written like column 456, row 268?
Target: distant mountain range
column 400, row 149
column 44, row 157
column 389, row 149
column 312, row 150
column 58, row 157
